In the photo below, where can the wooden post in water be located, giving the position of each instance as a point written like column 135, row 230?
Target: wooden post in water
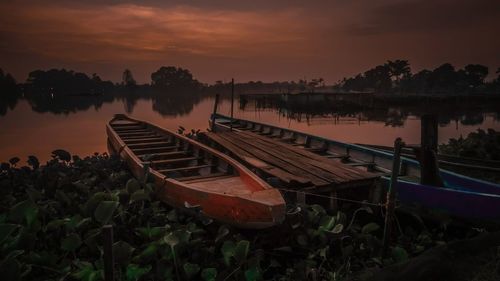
column 391, row 194
column 232, row 104
column 216, row 102
column 429, row 170
column 109, row 260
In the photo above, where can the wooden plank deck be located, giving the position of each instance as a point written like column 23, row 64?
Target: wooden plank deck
column 292, row 165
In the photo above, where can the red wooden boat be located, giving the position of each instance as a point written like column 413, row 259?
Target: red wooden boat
column 187, row 173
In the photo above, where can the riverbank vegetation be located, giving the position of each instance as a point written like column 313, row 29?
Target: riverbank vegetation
column 51, row 217
column 396, row 77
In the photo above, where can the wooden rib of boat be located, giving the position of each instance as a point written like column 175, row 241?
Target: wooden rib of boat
column 461, row 196
column 187, row 173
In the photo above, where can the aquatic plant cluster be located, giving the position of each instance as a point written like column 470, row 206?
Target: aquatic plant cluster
column 51, row 218
column 480, row 144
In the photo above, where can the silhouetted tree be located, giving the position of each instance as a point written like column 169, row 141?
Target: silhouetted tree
column 64, row 82
column 475, row 74
column 127, row 78
column 173, row 77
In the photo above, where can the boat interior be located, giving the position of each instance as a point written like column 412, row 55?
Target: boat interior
column 168, row 154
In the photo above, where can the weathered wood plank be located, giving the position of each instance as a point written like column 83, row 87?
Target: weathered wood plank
column 254, row 161
column 270, row 158
column 322, row 169
column 292, row 159
column 339, row 169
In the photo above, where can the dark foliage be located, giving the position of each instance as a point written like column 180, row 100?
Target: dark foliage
column 62, row 82
column 481, row 144
column 396, row 77
column 51, row 218
column 171, row 77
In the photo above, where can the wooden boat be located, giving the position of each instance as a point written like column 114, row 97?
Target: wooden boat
column 449, row 160
column 461, row 196
column 187, row 173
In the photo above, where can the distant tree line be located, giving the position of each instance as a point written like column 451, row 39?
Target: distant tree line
column 396, row 77
column 65, row 82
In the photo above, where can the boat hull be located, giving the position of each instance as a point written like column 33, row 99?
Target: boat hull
column 462, row 196
column 261, row 208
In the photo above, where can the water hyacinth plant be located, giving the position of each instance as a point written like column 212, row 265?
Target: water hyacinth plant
column 51, row 218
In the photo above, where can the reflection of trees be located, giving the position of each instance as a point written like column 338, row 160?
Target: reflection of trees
column 472, row 119
column 67, row 104
column 392, row 113
column 9, row 92
column 175, row 102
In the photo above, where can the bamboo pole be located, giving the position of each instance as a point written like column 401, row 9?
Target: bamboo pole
column 232, row 104
column 216, row 102
column 107, row 235
column 391, row 194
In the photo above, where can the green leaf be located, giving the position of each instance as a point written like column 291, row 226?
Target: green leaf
column 10, row 269
column 399, row 254
column 24, row 211
column 326, row 222
column 227, row 250
column 61, row 155
column 147, row 253
column 6, row 230
column 241, row 250
column 132, row 186
column 122, row 252
column 191, row 269
column 104, row 211
column 302, row 240
column 135, row 272
column 71, row 242
column 33, row 194
column 33, row 162
column 252, row 274
column 370, row 227
column 151, row 232
column 139, row 195
column 171, row 239
column 222, row 233
column 55, row 224
column 209, row 274
column 13, row 161
column 87, row 273
column 338, row 228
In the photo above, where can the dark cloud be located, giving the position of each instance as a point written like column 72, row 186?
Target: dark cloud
column 429, row 16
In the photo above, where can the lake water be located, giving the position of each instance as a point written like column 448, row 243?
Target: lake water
column 28, row 130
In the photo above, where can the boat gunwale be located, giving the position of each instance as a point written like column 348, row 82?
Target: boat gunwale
column 371, row 151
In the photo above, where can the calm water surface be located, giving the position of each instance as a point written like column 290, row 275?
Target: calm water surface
column 26, row 132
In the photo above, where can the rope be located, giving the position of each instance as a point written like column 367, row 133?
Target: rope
column 333, row 197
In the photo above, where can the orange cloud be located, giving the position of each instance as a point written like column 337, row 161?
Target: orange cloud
column 136, row 32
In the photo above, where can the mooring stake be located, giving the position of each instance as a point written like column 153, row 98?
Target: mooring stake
column 391, row 195
column 109, row 261
column 232, row 104
column 216, row 102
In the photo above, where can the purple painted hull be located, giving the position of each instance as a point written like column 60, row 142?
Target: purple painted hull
column 461, row 203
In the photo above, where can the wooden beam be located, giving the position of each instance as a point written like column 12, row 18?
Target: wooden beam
column 176, row 160
column 185, row 168
column 160, row 149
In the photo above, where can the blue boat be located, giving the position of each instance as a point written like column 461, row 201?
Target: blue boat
column 461, row 196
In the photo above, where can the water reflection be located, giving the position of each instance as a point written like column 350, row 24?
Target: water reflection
column 322, row 108
column 166, row 103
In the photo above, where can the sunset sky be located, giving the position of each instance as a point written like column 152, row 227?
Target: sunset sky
column 247, row 40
